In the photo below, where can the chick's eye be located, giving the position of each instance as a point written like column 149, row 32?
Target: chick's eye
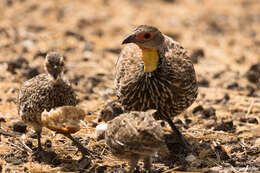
column 147, row 35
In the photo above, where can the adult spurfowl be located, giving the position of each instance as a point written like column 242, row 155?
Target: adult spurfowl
column 155, row 72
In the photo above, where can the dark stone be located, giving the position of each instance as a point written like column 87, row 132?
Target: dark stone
column 210, row 112
column 244, row 120
column 91, row 83
column 251, row 90
column 163, row 123
column 196, row 55
column 252, row 121
column 253, row 74
column 223, row 155
column 25, row 169
column 218, row 75
column 2, row 120
column 76, row 79
column 40, row 54
column 225, row 99
column 9, row 3
column 68, row 157
column 94, row 124
column 70, row 49
column 101, row 169
column 75, row 35
column 84, row 163
column 198, row 108
column 188, row 121
column 241, row 60
column 225, row 126
column 19, row 127
column 33, row 136
column 31, row 72
column 48, row 143
column 46, row 157
column 113, row 50
column 202, row 82
column 99, row 33
column 86, row 97
column 13, row 160
column 16, row 64
column 89, row 46
column 233, row 86
column 11, row 99
column 178, row 121
column 169, row 1
column 34, row 28
column 82, row 23
column 29, row 144
column 85, row 59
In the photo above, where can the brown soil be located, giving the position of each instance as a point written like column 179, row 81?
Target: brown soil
column 221, row 36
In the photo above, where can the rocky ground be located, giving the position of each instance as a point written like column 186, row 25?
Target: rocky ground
column 222, row 37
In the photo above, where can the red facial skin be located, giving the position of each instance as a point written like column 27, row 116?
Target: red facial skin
column 144, row 36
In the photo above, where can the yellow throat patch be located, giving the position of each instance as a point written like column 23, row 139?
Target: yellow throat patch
column 150, row 58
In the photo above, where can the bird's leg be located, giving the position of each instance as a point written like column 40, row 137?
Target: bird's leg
column 148, row 163
column 133, row 163
column 80, row 147
column 180, row 136
column 39, row 150
column 39, row 141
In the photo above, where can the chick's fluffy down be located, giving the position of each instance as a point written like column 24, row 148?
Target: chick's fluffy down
column 63, row 119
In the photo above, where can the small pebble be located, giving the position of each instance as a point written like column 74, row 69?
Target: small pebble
column 19, row 127
column 84, row 163
column 225, row 126
column 210, row 112
column 2, row 119
column 190, row 158
column 100, row 131
column 198, row 109
column 48, row 143
column 203, row 82
column 29, row 144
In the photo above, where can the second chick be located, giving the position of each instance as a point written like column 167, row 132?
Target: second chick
column 133, row 136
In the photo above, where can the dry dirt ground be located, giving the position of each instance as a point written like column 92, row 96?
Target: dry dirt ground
column 222, row 37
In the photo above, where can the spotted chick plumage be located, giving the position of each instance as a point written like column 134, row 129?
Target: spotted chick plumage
column 44, row 92
column 133, row 136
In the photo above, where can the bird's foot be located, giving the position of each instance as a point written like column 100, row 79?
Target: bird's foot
column 84, row 151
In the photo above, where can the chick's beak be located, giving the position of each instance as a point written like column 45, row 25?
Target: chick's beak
column 55, row 72
column 128, row 39
column 55, row 75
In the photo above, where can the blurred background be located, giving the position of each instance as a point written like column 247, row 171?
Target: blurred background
column 222, row 38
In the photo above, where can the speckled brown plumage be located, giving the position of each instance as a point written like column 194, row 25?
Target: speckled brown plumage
column 133, row 136
column 111, row 110
column 170, row 89
column 44, row 92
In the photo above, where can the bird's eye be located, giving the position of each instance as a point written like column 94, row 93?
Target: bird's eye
column 147, row 35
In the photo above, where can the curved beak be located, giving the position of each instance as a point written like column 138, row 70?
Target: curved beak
column 55, row 75
column 55, row 72
column 128, row 39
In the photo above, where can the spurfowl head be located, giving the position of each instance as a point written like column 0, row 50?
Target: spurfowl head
column 150, row 40
column 54, row 64
column 145, row 36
